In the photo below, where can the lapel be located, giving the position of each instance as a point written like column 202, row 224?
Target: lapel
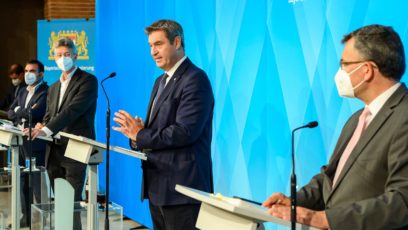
column 71, row 84
column 24, row 98
column 37, row 92
column 54, row 97
column 372, row 129
column 152, row 96
column 168, row 89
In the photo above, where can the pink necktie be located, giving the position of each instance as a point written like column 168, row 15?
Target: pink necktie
column 352, row 143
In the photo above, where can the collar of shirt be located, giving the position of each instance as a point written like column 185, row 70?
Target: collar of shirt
column 69, row 76
column 32, row 89
column 380, row 100
column 173, row 69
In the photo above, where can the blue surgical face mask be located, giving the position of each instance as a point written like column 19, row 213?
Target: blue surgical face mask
column 65, row 63
column 30, row 78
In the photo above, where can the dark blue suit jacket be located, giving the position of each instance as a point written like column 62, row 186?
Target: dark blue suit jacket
column 177, row 137
column 38, row 105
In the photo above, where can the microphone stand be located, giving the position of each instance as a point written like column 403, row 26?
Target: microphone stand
column 293, row 186
column 108, row 114
column 293, row 182
column 30, row 155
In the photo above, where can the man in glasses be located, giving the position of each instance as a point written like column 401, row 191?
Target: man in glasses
column 365, row 184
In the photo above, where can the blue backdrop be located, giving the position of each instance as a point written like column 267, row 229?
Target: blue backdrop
column 271, row 64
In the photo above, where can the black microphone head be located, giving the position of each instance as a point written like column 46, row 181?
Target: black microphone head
column 113, row 74
column 312, row 124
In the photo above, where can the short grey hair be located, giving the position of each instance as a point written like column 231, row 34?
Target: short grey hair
column 67, row 42
column 170, row 27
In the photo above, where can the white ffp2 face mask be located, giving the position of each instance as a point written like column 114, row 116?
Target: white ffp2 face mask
column 65, row 63
column 343, row 83
column 16, row 82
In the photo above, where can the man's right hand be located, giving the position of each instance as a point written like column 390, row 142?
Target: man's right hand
column 34, row 133
column 276, row 198
column 38, row 126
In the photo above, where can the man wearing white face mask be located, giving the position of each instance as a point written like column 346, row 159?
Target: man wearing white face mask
column 34, row 99
column 365, row 184
column 16, row 75
column 71, row 107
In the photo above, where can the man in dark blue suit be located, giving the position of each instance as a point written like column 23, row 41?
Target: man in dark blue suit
column 177, row 133
column 34, row 97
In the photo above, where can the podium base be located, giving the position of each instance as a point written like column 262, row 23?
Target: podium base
column 212, row 218
column 43, row 218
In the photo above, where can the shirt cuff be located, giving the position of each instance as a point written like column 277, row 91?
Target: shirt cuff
column 16, row 109
column 47, row 131
column 133, row 144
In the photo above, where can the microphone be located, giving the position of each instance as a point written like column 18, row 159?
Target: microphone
column 108, row 114
column 293, row 182
column 111, row 75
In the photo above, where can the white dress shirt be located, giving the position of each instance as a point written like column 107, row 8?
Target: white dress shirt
column 63, row 89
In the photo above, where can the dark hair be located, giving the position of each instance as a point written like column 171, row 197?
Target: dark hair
column 38, row 63
column 170, row 27
column 383, row 46
column 16, row 68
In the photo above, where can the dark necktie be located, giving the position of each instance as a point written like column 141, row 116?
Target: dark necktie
column 162, row 85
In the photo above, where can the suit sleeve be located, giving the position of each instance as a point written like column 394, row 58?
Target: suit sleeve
column 85, row 97
column 310, row 196
column 193, row 111
column 11, row 114
column 47, row 115
column 38, row 111
column 390, row 209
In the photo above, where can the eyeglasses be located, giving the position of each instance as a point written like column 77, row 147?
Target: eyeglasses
column 343, row 64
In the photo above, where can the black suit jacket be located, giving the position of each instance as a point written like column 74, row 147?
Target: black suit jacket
column 12, row 92
column 37, row 104
column 372, row 189
column 177, row 137
column 76, row 114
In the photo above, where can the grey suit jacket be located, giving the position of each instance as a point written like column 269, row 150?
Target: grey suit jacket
column 372, row 189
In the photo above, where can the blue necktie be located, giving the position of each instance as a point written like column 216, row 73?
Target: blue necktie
column 162, row 84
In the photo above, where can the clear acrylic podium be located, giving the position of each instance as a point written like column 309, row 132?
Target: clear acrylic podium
column 226, row 213
column 43, row 215
column 90, row 152
column 12, row 137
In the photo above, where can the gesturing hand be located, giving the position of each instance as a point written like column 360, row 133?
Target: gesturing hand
column 129, row 126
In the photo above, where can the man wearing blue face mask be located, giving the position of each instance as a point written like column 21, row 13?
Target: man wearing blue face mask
column 365, row 184
column 71, row 107
column 34, row 99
